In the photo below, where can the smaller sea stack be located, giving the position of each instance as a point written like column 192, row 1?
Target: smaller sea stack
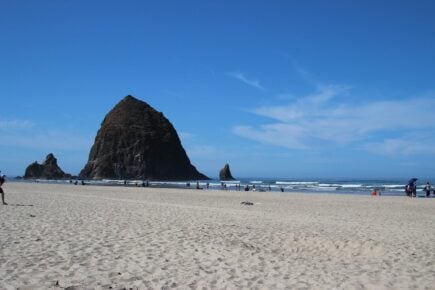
column 47, row 170
column 225, row 173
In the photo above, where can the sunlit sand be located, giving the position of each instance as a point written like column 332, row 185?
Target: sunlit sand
column 96, row 237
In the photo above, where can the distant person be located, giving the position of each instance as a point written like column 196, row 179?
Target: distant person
column 410, row 189
column 374, row 192
column 2, row 180
column 414, row 189
column 427, row 189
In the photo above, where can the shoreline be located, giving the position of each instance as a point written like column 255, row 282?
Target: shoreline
column 352, row 187
column 100, row 237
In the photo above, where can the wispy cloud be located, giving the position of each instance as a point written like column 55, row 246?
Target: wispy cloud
column 186, row 136
column 407, row 145
column 48, row 141
column 328, row 116
column 26, row 134
column 280, row 134
column 250, row 82
column 15, row 124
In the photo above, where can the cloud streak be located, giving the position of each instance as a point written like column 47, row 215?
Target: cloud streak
column 15, row 124
column 407, row 145
column 328, row 117
column 250, row 82
column 48, row 141
column 26, row 134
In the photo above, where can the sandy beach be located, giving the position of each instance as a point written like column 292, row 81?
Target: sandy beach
column 91, row 237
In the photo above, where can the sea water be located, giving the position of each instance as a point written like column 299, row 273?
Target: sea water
column 390, row 187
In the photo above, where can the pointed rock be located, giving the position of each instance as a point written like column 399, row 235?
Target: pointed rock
column 47, row 170
column 137, row 142
column 225, row 173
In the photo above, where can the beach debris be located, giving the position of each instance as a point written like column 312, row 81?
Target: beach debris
column 246, row 203
column 31, row 215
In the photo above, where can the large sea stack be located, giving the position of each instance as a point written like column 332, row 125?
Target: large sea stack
column 137, row 142
column 47, row 170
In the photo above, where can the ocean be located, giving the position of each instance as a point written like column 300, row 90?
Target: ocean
column 388, row 187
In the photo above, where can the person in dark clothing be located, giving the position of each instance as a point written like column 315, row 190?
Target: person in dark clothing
column 414, row 189
column 427, row 189
column 2, row 180
column 411, row 189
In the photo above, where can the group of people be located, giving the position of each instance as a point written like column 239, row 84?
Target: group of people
column 411, row 189
column 376, row 192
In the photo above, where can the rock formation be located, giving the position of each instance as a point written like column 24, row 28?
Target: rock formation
column 225, row 173
column 47, row 170
column 137, row 142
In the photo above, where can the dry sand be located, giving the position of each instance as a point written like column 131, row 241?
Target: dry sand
column 89, row 237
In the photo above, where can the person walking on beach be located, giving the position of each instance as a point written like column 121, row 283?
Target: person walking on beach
column 427, row 189
column 2, row 180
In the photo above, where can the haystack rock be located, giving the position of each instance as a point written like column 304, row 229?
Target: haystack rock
column 225, row 173
column 137, row 142
column 47, row 170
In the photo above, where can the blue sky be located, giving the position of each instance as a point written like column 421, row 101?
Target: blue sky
column 309, row 89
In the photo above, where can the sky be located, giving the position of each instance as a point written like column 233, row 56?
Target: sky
column 280, row 89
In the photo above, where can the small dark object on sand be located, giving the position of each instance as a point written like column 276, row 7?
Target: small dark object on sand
column 73, row 288
column 247, row 203
column 31, row 215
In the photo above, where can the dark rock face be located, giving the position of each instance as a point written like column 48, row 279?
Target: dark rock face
column 47, row 170
column 225, row 173
column 137, row 142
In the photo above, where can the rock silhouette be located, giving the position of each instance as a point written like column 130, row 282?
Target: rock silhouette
column 47, row 170
column 225, row 173
column 137, row 142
